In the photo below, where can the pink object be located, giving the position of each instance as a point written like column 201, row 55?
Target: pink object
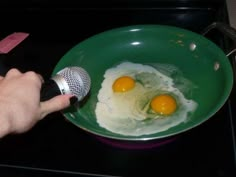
column 11, row 41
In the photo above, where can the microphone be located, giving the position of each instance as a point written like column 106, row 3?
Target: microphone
column 70, row 80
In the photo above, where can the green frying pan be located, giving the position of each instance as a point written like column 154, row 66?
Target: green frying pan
column 198, row 59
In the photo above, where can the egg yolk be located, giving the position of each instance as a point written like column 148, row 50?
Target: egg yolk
column 123, row 84
column 164, row 104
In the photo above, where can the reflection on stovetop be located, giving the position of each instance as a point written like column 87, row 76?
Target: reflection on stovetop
column 57, row 147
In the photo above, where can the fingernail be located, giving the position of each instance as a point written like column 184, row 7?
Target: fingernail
column 73, row 100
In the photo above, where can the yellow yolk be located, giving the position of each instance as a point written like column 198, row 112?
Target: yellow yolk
column 164, row 104
column 123, row 84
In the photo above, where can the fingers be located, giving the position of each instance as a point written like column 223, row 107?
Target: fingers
column 35, row 80
column 13, row 72
column 57, row 103
column 31, row 74
column 41, row 78
column 34, row 77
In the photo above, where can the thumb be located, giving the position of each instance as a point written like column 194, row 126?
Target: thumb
column 56, row 103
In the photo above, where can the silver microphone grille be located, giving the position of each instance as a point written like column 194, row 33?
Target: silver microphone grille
column 73, row 80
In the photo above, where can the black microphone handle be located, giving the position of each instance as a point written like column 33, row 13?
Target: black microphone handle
column 49, row 90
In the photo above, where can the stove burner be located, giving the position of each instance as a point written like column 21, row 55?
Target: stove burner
column 136, row 145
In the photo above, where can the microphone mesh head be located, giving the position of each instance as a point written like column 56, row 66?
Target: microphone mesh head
column 77, row 79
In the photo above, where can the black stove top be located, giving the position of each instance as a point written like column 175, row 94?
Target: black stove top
column 55, row 147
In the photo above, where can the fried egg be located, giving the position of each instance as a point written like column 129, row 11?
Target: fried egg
column 137, row 99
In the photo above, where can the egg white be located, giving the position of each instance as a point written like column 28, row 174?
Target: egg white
column 129, row 113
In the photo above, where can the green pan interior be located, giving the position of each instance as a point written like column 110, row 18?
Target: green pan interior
column 205, row 65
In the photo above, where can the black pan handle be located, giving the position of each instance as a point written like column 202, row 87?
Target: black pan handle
column 225, row 29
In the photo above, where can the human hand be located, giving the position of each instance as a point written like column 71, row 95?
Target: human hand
column 20, row 106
